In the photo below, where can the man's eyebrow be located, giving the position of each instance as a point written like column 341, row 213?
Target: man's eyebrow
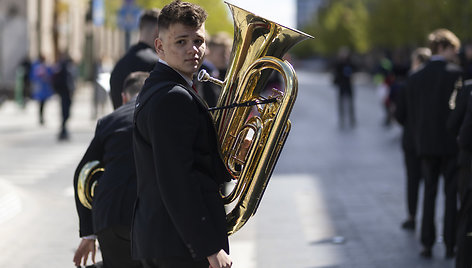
column 181, row 36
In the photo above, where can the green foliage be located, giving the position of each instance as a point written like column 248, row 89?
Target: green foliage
column 218, row 13
column 364, row 25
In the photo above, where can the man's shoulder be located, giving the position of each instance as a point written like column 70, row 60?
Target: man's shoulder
column 122, row 113
column 453, row 68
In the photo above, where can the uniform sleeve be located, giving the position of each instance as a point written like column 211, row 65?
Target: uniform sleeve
column 94, row 152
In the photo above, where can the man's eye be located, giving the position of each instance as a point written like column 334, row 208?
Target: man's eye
column 198, row 42
column 180, row 42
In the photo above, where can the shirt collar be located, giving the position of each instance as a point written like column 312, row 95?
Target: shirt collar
column 437, row 57
column 189, row 81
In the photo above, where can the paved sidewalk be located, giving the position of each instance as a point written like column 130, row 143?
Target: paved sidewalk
column 336, row 199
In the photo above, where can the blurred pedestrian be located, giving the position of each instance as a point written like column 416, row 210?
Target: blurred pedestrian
column 343, row 73
column 41, row 76
column 140, row 57
column 215, row 63
column 23, row 81
column 431, row 88
column 403, row 115
column 101, row 85
column 64, row 85
column 109, row 220
column 179, row 219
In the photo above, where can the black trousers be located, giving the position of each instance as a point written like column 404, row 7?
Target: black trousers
column 115, row 245
column 464, row 232
column 175, row 263
column 432, row 168
column 413, row 179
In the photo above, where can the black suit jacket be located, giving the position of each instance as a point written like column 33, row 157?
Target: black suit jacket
column 465, row 131
column 140, row 57
column 430, row 91
column 179, row 211
column 116, row 191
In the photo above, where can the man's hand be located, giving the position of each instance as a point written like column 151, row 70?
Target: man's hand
column 220, row 260
column 86, row 247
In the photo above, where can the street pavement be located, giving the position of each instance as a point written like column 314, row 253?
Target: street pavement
column 336, row 198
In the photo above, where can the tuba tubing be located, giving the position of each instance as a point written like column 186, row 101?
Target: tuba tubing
column 87, row 181
column 252, row 137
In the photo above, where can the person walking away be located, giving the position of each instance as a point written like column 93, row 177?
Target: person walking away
column 343, row 72
column 64, row 85
column 140, row 57
column 42, row 90
column 109, row 221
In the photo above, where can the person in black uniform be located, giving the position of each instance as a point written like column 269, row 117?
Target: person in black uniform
column 179, row 217
column 140, row 57
column 110, row 217
column 464, row 229
column 419, row 58
column 64, row 85
column 343, row 73
column 216, row 62
column 431, row 89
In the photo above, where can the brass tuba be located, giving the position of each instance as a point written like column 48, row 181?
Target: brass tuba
column 87, row 181
column 252, row 124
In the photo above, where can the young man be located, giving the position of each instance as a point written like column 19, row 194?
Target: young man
column 179, row 216
column 140, row 57
column 431, row 89
column 110, row 217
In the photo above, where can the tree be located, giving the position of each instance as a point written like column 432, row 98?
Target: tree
column 218, row 13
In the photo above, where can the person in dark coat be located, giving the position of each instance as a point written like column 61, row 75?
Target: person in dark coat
column 432, row 88
column 216, row 62
column 464, row 229
column 179, row 217
column 343, row 74
column 139, row 57
column 112, row 205
column 64, row 86
column 403, row 110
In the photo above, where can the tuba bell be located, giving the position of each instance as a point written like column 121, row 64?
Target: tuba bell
column 87, row 181
column 252, row 124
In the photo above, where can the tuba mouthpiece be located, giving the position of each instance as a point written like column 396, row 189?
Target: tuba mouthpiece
column 204, row 76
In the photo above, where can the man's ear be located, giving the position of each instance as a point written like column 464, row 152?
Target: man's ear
column 158, row 46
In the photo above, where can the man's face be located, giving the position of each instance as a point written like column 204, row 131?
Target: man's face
column 450, row 53
column 182, row 47
column 219, row 56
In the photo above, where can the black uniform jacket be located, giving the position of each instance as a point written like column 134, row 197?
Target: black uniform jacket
column 429, row 91
column 178, row 211
column 465, row 132
column 140, row 57
column 116, row 191
column 404, row 114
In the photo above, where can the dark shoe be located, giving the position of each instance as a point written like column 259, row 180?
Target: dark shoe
column 450, row 253
column 409, row 225
column 426, row 253
column 63, row 136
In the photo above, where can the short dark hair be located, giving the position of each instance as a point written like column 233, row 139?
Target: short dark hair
column 181, row 12
column 149, row 18
column 134, row 82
